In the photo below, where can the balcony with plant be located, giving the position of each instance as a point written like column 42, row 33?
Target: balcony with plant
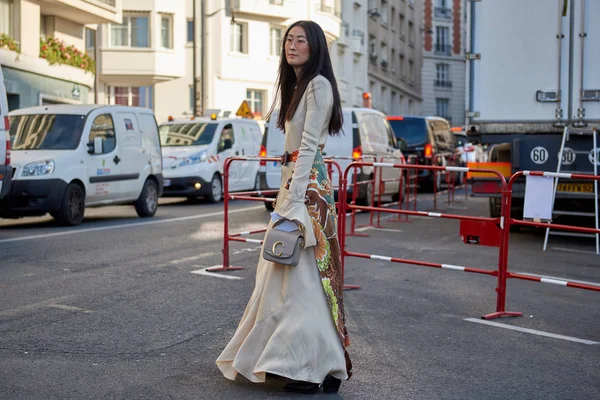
column 8, row 43
column 55, row 51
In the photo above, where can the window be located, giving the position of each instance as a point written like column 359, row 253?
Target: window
column 442, row 38
column 442, row 107
column 442, row 10
column 276, row 43
column 384, row 100
column 46, row 131
column 411, row 71
column 372, row 46
column 341, row 70
column 402, row 71
column 384, row 56
column 394, row 108
column 411, row 32
column 133, row 32
column 227, row 139
column 393, row 18
column 401, row 26
column 190, row 30
column 384, row 9
column 43, row 24
column 255, row 99
column 103, row 127
column 187, row 134
column 6, row 12
column 132, row 96
column 166, row 32
column 393, row 61
column 90, row 42
column 442, row 75
column 238, row 40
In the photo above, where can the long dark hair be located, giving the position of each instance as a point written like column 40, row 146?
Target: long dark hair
column 319, row 63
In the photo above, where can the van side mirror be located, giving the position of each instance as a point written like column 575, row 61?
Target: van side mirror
column 96, row 147
column 401, row 144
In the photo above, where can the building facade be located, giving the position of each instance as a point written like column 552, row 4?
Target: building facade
column 349, row 53
column 43, row 49
column 147, row 48
column 395, row 54
column 241, row 49
column 444, row 60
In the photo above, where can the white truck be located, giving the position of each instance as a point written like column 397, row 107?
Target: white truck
column 532, row 70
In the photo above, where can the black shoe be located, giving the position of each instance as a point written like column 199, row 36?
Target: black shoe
column 302, row 387
column 331, row 384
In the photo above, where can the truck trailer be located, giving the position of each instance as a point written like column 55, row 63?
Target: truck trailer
column 532, row 73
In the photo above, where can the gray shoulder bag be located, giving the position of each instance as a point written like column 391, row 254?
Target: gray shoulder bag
column 283, row 247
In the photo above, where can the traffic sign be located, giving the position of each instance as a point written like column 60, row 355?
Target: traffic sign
column 244, row 110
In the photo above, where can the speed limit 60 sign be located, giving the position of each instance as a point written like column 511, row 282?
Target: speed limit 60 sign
column 539, row 155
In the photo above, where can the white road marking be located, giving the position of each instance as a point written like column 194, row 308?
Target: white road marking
column 557, row 278
column 69, row 308
column 204, row 271
column 573, row 250
column 389, row 230
column 532, row 331
column 246, row 250
column 186, row 259
column 135, row 224
column 29, row 307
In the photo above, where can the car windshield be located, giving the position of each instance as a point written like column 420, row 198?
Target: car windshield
column 187, row 134
column 46, row 131
column 461, row 140
column 412, row 130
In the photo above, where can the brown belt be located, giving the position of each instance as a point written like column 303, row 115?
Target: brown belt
column 289, row 157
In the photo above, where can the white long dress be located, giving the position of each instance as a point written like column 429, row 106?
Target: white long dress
column 287, row 328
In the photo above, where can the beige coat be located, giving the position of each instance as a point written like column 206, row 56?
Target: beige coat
column 305, row 135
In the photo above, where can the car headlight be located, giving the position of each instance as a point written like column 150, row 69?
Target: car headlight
column 194, row 159
column 39, row 168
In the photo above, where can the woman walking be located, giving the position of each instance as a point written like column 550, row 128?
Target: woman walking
column 294, row 324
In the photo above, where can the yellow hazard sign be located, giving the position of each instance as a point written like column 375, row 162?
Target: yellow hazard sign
column 244, row 110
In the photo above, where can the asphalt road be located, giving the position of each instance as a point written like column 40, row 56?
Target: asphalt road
column 112, row 310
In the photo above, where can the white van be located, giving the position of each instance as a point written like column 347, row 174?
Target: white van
column 5, row 167
column 365, row 133
column 68, row 157
column 194, row 153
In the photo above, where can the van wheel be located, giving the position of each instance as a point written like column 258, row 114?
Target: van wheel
column 399, row 197
column 216, row 189
column 72, row 207
column 367, row 199
column 147, row 203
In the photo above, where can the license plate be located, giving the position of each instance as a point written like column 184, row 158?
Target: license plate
column 576, row 187
column 167, row 183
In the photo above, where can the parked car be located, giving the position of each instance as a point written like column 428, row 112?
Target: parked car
column 68, row 157
column 365, row 134
column 431, row 141
column 5, row 167
column 194, row 153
